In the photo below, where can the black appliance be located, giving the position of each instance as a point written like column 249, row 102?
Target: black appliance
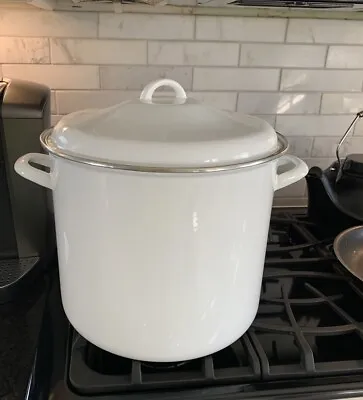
column 336, row 194
column 24, row 216
column 305, row 343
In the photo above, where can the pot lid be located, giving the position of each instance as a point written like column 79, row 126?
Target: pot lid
column 163, row 132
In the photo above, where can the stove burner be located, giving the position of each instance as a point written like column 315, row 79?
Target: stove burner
column 164, row 366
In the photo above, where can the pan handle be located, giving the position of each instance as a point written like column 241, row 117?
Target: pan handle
column 342, row 140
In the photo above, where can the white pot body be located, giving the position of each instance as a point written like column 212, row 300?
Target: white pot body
column 160, row 267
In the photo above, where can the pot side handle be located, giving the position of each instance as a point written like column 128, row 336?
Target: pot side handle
column 297, row 171
column 26, row 170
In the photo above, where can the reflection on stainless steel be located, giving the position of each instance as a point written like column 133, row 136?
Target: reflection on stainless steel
column 348, row 247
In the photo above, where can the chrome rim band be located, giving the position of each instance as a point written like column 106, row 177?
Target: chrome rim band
column 283, row 146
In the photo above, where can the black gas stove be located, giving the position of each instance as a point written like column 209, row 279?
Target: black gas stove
column 305, row 343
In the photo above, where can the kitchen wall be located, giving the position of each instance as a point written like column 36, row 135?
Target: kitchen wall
column 304, row 76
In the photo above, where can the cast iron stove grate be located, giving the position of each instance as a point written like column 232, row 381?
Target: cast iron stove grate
column 309, row 323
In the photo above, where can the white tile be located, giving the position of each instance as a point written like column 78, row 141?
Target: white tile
column 325, row 31
column 73, row 100
column 282, row 55
column 300, row 146
column 137, row 77
column 341, row 103
column 53, row 104
column 193, row 53
column 345, row 57
column 146, row 26
column 240, row 29
column 56, row 76
column 271, row 119
column 326, row 146
column 322, row 163
column 24, row 50
column 92, row 51
column 222, row 100
column 321, row 80
column 54, row 119
column 45, row 23
column 358, row 130
column 312, row 125
column 278, row 103
column 235, row 79
column 295, row 190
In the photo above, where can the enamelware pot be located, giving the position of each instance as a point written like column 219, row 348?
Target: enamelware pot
column 162, row 209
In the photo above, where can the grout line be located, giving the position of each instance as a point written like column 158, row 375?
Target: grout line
column 195, row 28
column 206, row 66
column 98, row 25
column 218, row 67
column 239, row 54
column 279, row 81
column 192, row 79
column 99, row 77
column 55, row 101
column 312, row 146
column 286, row 29
column 242, row 91
column 321, row 103
column 326, row 56
column 50, row 51
column 191, row 39
column 147, row 52
column 236, row 104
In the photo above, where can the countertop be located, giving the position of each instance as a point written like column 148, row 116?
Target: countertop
column 20, row 322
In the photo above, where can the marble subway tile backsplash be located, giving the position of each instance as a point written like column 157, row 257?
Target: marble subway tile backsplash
column 236, row 79
column 193, row 53
column 47, row 24
column 278, row 103
column 321, row 80
column 282, row 55
column 236, row 29
column 85, row 51
column 136, row 77
column 56, row 76
column 146, row 26
column 24, row 50
column 303, row 76
column 324, row 31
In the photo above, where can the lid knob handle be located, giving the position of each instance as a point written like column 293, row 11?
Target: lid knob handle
column 149, row 89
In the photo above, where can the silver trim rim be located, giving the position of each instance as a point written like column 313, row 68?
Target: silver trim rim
column 283, row 146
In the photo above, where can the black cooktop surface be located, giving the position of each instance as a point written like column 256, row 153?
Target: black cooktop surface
column 306, row 341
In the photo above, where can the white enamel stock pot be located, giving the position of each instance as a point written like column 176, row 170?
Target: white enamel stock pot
column 162, row 209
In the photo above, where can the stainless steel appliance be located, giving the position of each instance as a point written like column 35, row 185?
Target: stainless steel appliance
column 24, row 219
